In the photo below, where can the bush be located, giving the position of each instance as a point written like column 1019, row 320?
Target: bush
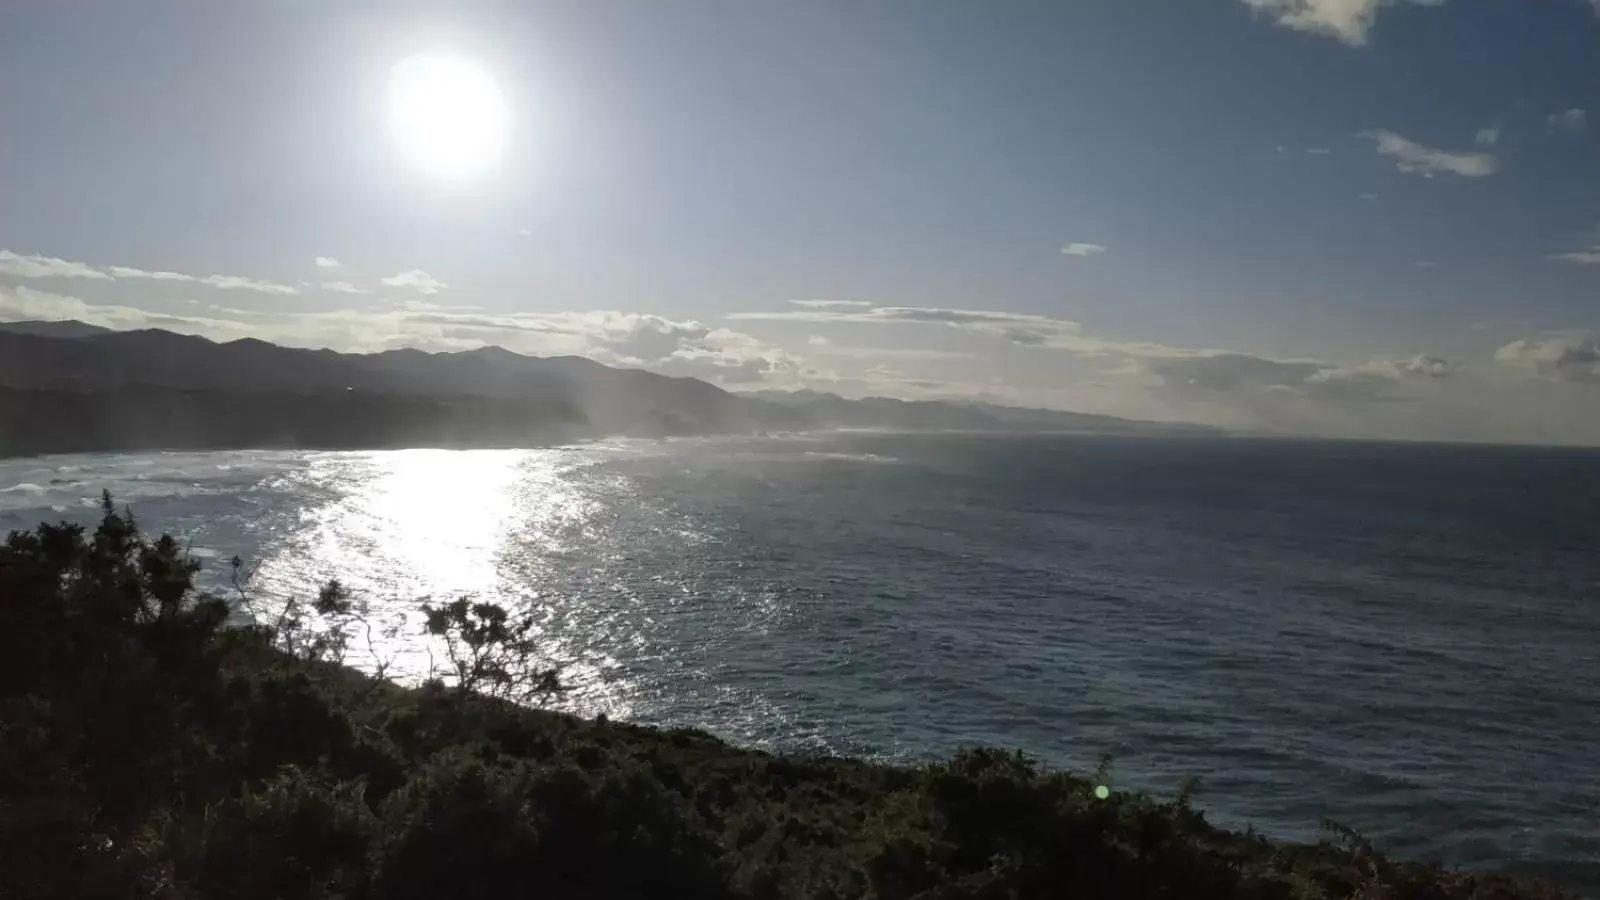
column 146, row 750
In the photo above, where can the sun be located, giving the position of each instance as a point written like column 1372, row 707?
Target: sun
column 447, row 116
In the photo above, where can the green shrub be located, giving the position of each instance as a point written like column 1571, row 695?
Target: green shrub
column 147, row 751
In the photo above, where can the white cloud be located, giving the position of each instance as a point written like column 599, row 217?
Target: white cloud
column 235, row 282
column 126, row 272
column 1571, row 357
column 1426, row 264
column 327, row 262
column 26, row 303
column 1568, row 120
column 22, row 266
column 832, row 304
column 1367, row 197
column 1320, row 151
column 417, row 280
column 34, row 266
column 1345, row 20
column 1413, row 158
column 1488, row 137
column 523, row 232
column 344, row 287
column 1077, row 249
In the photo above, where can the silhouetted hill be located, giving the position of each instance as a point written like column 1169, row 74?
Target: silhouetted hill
column 608, row 400
column 65, row 329
column 67, row 386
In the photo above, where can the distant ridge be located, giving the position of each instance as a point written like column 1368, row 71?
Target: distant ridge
column 66, row 328
column 153, row 388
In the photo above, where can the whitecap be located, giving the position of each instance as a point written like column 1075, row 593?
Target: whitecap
column 851, row 457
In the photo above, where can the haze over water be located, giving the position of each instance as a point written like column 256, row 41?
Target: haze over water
column 1405, row 638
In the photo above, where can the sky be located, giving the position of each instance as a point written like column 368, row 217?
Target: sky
column 1320, row 217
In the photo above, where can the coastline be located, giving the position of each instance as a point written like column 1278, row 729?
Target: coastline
column 250, row 761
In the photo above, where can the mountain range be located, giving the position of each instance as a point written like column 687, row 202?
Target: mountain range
column 72, row 387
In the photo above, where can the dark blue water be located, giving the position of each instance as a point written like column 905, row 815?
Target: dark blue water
column 1405, row 638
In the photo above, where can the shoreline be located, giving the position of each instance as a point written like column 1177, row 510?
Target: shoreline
column 166, row 746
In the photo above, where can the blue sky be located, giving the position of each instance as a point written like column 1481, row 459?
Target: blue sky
column 1310, row 216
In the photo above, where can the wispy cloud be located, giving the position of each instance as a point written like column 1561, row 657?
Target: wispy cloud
column 1368, row 197
column 327, row 262
column 34, row 266
column 1568, row 121
column 417, row 280
column 1021, row 329
column 1488, row 137
column 1586, row 255
column 833, row 304
column 1079, row 249
column 127, row 272
column 1589, row 257
column 344, row 287
column 1319, row 151
column 237, row 283
column 1345, row 20
column 1415, row 159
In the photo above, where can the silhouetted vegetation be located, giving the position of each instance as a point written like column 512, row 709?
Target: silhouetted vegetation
column 147, row 749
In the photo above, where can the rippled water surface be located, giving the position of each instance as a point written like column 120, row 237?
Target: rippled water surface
column 1404, row 638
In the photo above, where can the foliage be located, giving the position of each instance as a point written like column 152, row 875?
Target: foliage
column 490, row 651
column 148, row 751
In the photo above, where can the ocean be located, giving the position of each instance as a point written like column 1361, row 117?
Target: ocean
column 1402, row 638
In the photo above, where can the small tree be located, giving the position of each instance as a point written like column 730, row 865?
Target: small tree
column 490, row 651
column 320, row 632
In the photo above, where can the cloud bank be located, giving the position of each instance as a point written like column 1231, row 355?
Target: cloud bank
column 1541, row 387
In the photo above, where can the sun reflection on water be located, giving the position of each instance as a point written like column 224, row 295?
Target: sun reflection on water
column 402, row 527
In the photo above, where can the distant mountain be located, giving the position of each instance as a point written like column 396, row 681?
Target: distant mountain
column 63, row 329
column 68, row 386
column 611, row 400
column 832, row 411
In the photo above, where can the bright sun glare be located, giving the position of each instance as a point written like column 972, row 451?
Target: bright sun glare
column 447, row 115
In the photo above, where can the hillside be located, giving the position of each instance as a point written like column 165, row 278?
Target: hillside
column 149, row 751
column 67, row 387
